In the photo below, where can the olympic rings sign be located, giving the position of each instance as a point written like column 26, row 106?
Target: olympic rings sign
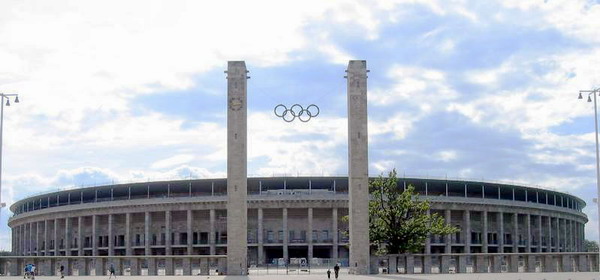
column 296, row 111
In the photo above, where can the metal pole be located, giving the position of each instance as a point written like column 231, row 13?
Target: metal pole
column 597, row 160
column 1, row 128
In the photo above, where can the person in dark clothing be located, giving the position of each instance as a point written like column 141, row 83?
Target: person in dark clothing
column 62, row 272
column 336, row 270
column 111, row 270
column 328, row 273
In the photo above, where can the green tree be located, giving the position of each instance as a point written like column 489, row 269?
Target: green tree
column 399, row 222
column 590, row 246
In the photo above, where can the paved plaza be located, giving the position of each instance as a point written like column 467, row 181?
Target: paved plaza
column 473, row 276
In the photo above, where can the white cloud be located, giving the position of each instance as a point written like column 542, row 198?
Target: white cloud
column 172, row 161
column 447, row 156
column 415, row 85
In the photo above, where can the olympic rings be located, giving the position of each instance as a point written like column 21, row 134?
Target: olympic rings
column 296, row 111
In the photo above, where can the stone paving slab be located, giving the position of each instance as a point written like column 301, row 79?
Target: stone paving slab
column 474, row 276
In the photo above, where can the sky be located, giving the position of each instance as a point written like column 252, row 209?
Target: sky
column 120, row 91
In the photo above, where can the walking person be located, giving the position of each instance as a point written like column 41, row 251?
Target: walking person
column 328, row 273
column 62, row 271
column 111, row 271
column 336, row 270
column 27, row 271
column 33, row 271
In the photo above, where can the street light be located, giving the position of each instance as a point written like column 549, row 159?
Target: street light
column 7, row 97
column 593, row 93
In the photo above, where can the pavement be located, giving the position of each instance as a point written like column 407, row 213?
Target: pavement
column 467, row 276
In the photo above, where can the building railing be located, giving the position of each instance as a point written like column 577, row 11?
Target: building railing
column 486, row 263
column 392, row 264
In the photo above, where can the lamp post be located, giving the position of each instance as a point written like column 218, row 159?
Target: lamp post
column 7, row 97
column 593, row 93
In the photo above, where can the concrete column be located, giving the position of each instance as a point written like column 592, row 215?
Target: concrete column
column 558, row 235
column 80, row 235
column 187, row 266
column 285, row 235
column 168, row 240
column 530, row 263
column 549, row 263
column 334, row 231
column 56, row 237
column 147, row 223
column 461, row 266
column 95, row 235
column 169, row 269
column 38, row 244
column 515, row 232
column 528, row 239
column 358, row 165
column 467, row 231
column 68, row 236
column 501, row 232
column 211, row 238
column 31, row 240
column 445, row 265
column 111, row 235
column 22, row 240
column 309, row 231
column 567, row 264
column 46, row 238
column 448, row 217
column 540, row 233
column 549, row 246
column 261, row 241
column 428, row 239
column 484, row 245
column 573, row 236
column 481, row 264
column 128, row 250
column 190, row 240
column 565, row 235
column 204, row 266
column 514, row 263
column 237, row 208
column 393, row 264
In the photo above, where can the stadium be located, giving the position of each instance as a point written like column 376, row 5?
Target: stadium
column 239, row 225
column 293, row 218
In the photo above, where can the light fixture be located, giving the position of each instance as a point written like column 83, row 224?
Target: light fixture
column 7, row 102
column 580, row 97
column 589, row 99
column 17, row 98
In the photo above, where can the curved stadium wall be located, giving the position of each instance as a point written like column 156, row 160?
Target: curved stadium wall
column 296, row 217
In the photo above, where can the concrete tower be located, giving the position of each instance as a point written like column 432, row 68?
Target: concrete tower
column 237, row 246
column 358, row 166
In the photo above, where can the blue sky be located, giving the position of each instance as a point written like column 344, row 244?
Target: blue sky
column 115, row 91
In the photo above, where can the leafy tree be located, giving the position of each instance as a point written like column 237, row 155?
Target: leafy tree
column 398, row 218
column 590, row 246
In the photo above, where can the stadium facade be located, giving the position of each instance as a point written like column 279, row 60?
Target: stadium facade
column 298, row 217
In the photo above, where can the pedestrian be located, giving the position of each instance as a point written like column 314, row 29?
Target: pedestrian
column 328, row 273
column 33, row 271
column 336, row 270
column 111, row 271
column 27, row 271
column 62, row 271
